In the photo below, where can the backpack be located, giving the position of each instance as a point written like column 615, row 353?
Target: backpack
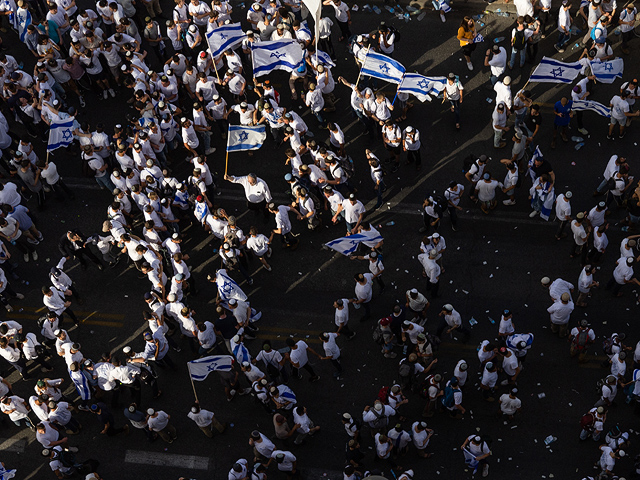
column 405, row 369
column 378, row 337
column 519, row 41
column 582, row 338
column 41, row 321
column 396, row 32
column 587, row 420
column 468, row 162
column 383, row 395
column 448, row 400
column 434, row 341
column 347, row 165
column 607, row 346
column 68, row 459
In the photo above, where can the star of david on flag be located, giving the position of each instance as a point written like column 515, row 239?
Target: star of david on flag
column 552, row 71
column 60, row 133
column 422, row 87
column 224, row 38
column 227, row 288
column 607, row 72
column 348, row 245
column 280, row 55
column 385, row 68
column 242, row 138
column 201, row 368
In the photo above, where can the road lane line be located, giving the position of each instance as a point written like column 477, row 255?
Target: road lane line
column 192, row 462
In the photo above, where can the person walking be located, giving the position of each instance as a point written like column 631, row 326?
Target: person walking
column 158, row 422
column 466, row 36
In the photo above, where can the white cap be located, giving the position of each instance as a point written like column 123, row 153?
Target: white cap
column 150, row 411
column 126, row 349
column 171, row 297
column 57, row 332
column 378, row 406
column 193, row 29
column 414, row 290
column 236, row 339
column 435, row 235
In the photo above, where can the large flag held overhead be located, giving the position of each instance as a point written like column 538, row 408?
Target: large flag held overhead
column 224, row 38
column 553, row 71
column 201, row 368
column 607, row 72
column 60, row 133
column 421, row 87
column 281, row 55
column 325, row 58
column 242, row 138
column 228, row 288
column 348, row 245
column 385, row 68
column 599, row 108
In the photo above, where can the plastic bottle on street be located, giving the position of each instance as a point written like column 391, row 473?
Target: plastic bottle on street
column 421, row 16
column 377, row 10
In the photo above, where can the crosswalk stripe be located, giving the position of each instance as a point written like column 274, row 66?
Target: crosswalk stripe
column 283, row 337
column 102, row 323
column 192, row 462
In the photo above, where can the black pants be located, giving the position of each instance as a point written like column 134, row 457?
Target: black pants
column 532, row 51
column 134, row 389
column 259, row 207
column 614, row 286
column 544, row 18
column 39, row 360
column 307, row 367
column 563, row 224
column 59, row 187
column 433, row 288
column 380, row 282
column 346, row 331
column 85, row 252
column 71, row 315
column 414, row 156
column 453, row 215
column 367, row 311
column 581, row 250
column 461, row 329
column 24, row 246
column 7, row 294
column 326, row 46
column 344, row 29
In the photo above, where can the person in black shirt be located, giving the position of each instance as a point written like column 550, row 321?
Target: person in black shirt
column 108, row 422
column 540, row 167
column 353, row 453
column 225, row 326
column 532, row 124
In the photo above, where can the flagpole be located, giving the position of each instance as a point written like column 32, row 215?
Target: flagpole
column 192, row 384
column 397, row 88
column 213, row 60
column 362, row 66
column 226, row 162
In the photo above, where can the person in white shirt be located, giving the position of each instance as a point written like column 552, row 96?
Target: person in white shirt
column 363, row 293
column 564, row 26
column 510, row 404
column 560, row 313
column 499, row 123
column 585, row 284
column 353, row 213
column 158, row 422
column 622, row 275
column 283, row 224
column 205, row 420
column 620, row 113
column 563, row 213
column 256, row 191
column 259, row 245
column 627, row 20
column 486, row 192
column 496, row 59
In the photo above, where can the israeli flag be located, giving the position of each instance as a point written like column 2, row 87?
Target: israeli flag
column 348, row 245
column 200, row 369
column 224, row 38
column 599, row 108
column 23, row 19
column 242, row 138
column 553, row 71
column 385, row 68
column 478, row 38
column 241, row 353
column 81, row 384
column 607, row 72
column 422, row 87
column 60, row 133
column 201, row 211
column 441, row 5
column 7, row 474
column 228, row 288
column 285, row 55
column 304, row 26
column 536, row 154
column 324, row 58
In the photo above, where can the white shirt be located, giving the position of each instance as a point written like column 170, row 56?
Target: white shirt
column 498, row 62
column 331, row 348
column 365, row 292
column 563, row 208
column 352, row 211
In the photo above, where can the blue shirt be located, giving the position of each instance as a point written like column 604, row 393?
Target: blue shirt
column 565, row 119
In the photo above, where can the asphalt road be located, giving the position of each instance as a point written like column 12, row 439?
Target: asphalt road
column 492, row 262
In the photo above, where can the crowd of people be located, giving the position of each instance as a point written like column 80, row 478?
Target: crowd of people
column 156, row 166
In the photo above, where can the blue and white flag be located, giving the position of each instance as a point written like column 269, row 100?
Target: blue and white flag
column 228, row 288
column 478, row 38
column 599, row 108
column 7, row 474
column 385, row 68
column 553, row 71
column 441, row 5
column 304, row 26
column 200, row 211
column 82, row 385
column 536, row 154
column 242, row 138
column 607, row 72
column 324, row 58
column 225, row 37
column 470, row 459
column 348, row 245
column 285, row 55
column 60, row 133
column 23, row 19
column 201, row 368
column 421, row 87
column 241, row 353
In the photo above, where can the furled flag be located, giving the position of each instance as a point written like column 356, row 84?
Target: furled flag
column 553, row 71
column 421, row 87
column 348, row 245
column 478, row 38
column 228, row 288
column 536, row 154
column 281, row 55
column 324, row 58
column 607, row 72
column 385, row 68
column 599, row 108
column 245, row 138
column 23, row 19
column 60, row 133
column 199, row 369
column 225, row 37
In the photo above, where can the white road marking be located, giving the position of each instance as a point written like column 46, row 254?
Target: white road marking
column 191, row 462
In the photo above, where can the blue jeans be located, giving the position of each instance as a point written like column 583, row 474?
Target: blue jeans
column 319, row 117
column 381, row 189
column 563, row 39
column 456, row 109
column 514, row 54
column 105, row 181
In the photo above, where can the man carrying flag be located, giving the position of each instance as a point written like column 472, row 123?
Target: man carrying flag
column 385, row 68
column 60, row 133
